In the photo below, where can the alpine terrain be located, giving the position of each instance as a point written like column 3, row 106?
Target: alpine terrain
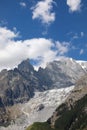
column 70, row 115
column 48, row 95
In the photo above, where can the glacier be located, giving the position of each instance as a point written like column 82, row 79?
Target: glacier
column 39, row 108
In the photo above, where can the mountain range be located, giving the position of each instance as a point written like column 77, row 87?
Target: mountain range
column 19, row 85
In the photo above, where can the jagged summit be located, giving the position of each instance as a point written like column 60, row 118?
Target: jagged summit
column 63, row 72
column 21, row 84
column 24, row 80
column 25, row 66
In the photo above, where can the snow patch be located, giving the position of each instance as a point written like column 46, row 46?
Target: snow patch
column 83, row 64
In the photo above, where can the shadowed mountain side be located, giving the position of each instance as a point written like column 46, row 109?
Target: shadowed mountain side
column 72, row 114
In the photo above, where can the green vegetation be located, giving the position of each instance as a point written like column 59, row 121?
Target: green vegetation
column 72, row 118
column 40, row 126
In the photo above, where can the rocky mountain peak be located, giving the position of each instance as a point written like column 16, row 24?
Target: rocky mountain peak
column 25, row 66
column 20, row 85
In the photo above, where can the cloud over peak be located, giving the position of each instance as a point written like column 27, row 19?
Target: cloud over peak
column 43, row 50
column 74, row 5
column 43, row 11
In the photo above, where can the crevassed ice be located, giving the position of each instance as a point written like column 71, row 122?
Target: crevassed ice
column 32, row 112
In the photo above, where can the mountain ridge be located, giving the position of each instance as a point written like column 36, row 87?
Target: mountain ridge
column 19, row 85
column 25, row 79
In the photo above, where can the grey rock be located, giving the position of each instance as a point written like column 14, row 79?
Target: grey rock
column 19, row 85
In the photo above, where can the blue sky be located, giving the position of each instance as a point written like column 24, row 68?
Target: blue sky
column 42, row 30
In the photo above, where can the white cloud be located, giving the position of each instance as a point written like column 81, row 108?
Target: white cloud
column 12, row 51
column 62, row 47
column 5, row 36
column 81, row 51
column 23, row 4
column 74, row 5
column 43, row 11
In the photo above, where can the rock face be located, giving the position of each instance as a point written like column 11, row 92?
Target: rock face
column 4, row 114
column 16, row 85
column 20, row 84
column 72, row 114
column 62, row 73
column 74, row 110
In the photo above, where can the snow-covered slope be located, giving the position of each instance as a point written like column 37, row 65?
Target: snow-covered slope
column 61, row 73
column 83, row 64
column 39, row 108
